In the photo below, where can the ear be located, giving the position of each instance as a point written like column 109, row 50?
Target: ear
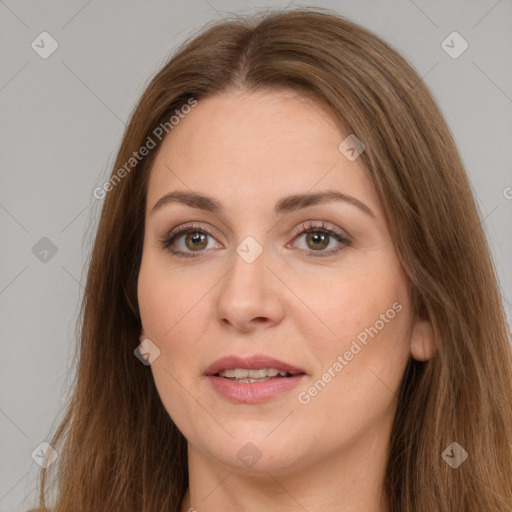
column 422, row 341
column 142, row 335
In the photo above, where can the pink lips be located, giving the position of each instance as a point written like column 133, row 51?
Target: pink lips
column 252, row 392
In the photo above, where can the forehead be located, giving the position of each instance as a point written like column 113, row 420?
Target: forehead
column 256, row 146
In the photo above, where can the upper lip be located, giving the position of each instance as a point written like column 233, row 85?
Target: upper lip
column 254, row 362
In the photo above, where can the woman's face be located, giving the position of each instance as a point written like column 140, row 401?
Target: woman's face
column 288, row 265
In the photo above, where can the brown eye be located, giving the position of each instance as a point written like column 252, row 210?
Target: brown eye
column 188, row 241
column 191, row 240
column 317, row 240
column 196, row 241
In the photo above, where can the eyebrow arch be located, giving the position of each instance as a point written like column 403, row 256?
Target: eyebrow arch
column 284, row 205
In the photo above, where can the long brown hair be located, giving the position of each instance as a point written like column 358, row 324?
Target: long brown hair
column 119, row 449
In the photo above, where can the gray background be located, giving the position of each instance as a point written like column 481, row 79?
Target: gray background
column 62, row 120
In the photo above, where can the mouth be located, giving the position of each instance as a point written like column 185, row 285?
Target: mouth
column 252, row 379
column 255, row 367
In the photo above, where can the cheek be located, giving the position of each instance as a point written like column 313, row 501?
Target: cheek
column 359, row 335
column 173, row 312
column 338, row 308
column 173, row 316
column 167, row 296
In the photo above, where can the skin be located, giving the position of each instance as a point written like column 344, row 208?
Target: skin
column 248, row 150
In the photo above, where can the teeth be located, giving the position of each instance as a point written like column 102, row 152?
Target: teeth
column 254, row 380
column 259, row 375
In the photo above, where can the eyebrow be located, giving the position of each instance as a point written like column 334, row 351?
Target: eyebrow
column 284, row 205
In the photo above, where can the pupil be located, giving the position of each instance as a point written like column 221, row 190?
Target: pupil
column 197, row 239
column 318, row 238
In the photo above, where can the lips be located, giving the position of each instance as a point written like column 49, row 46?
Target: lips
column 255, row 362
column 255, row 389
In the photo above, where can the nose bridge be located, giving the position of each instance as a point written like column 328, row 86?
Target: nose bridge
column 247, row 277
column 246, row 292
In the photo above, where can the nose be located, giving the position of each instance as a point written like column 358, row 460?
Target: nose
column 250, row 295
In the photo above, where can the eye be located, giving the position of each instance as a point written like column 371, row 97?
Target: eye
column 192, row 238
column 318, row 238
column 189, row 238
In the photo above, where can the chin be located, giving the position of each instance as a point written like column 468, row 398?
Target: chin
column 258, row 455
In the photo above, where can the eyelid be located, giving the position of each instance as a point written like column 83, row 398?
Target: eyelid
column 321, row 226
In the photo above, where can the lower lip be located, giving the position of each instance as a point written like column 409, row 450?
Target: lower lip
column 253, row 392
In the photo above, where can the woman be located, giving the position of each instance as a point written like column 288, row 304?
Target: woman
column 291, row 303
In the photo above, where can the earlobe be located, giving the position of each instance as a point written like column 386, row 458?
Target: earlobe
column 422, row 343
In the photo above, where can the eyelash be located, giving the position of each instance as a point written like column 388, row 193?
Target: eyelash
column 167, row 240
